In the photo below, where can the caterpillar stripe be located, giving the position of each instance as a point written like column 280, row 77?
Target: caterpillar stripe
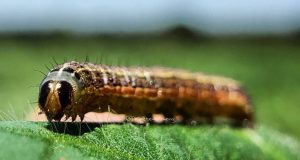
column 73, row 89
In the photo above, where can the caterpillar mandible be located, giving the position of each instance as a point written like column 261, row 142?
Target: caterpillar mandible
column 73, row 89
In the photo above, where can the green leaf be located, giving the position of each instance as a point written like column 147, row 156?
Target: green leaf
column 32, row 140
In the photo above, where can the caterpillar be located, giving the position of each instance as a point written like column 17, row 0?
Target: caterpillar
column 72, row 89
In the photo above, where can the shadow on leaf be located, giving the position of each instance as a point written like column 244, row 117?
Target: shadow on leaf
column 75, row 128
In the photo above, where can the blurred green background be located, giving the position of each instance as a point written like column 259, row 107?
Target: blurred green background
column 267, row 67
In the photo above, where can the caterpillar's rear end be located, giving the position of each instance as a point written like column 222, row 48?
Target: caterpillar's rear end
column 84, row 87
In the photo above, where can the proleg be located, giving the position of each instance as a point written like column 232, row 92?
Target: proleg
column 73, row 89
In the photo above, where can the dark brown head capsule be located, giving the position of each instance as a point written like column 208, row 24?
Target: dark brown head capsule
column 57, row 92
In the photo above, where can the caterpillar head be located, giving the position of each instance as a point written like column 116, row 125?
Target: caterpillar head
column 57, row 92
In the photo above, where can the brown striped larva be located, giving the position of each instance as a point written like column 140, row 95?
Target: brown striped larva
column 73, row 89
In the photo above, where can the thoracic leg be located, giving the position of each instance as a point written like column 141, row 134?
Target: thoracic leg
column 149, row 118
